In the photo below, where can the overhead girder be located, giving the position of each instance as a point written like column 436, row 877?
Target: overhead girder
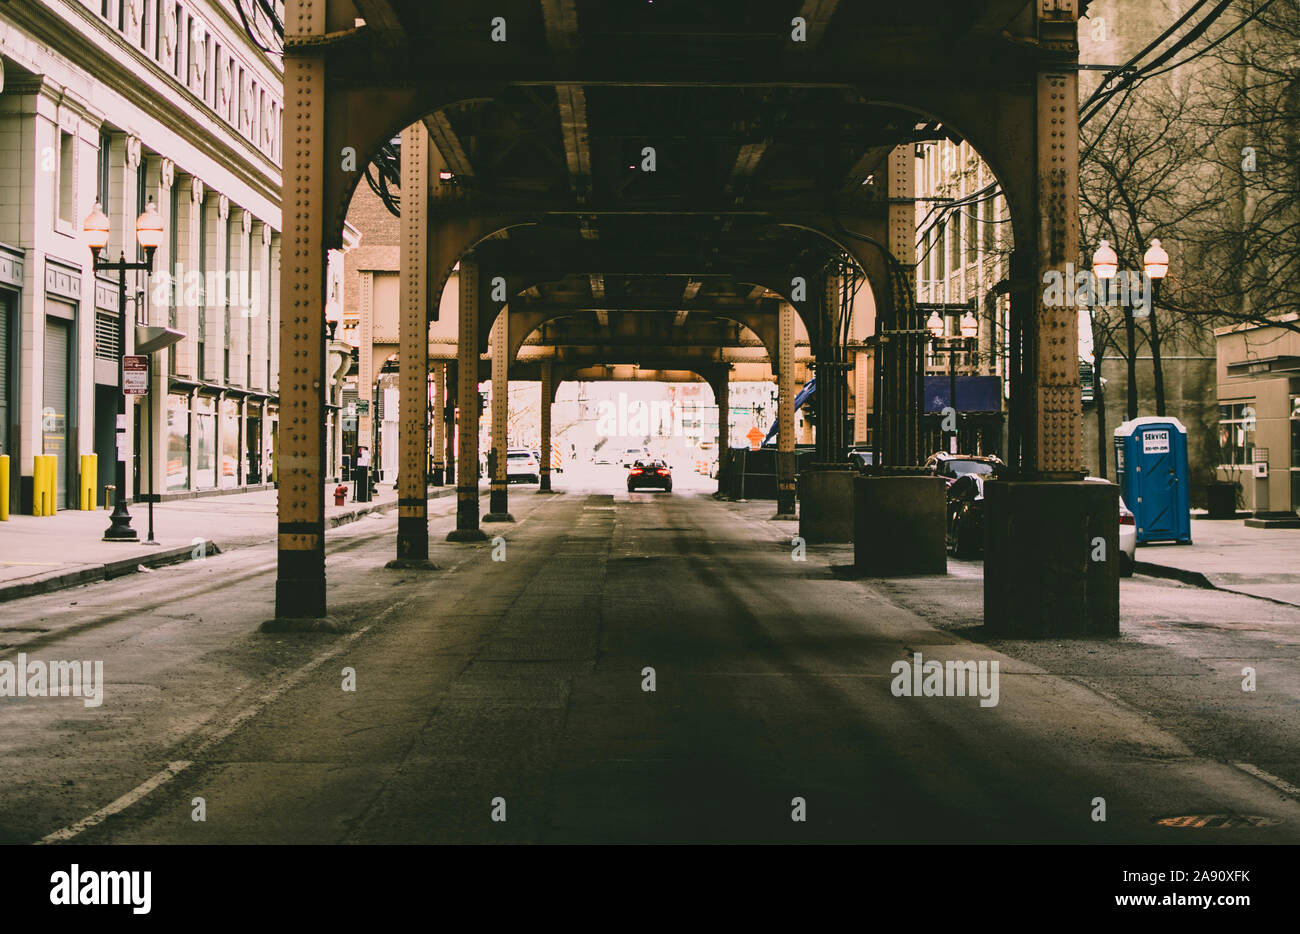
column 797, row 141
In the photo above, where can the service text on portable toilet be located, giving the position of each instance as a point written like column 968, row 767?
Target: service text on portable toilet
column 1151, row 470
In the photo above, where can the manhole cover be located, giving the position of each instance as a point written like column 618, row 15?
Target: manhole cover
column 1217, row 821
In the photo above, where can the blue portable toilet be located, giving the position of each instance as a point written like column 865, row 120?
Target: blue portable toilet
column 1151, row 470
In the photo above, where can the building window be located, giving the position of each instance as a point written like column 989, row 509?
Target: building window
column 227, row 233
column 67, row 176
column 972, row 237
column 205, row 436
column 179, row 41
column 102, row 170
column 1236, row 434
column 201, row 207
column 178, row 442
column 208, row 62
column 954, row 244
column 940, row 270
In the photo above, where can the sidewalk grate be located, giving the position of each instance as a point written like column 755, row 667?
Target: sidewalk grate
column 1217, row 821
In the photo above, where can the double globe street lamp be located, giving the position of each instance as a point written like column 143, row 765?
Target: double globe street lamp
column 148, row 233
column 968, row 325
column 1155, row 262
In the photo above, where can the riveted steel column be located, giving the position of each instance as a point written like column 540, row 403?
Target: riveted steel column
column 785, row 414
column 439, row 423
column 467, row 527
column 413, row 252
column 1057, row 448
column 1058, row 444
column 908, row 341
column 548, row 395
column 300, row 573
column 499, row 498
column 721, row 390
column 449, row 415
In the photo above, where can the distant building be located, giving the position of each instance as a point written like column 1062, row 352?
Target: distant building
column 125, row 103
column 1259, row 414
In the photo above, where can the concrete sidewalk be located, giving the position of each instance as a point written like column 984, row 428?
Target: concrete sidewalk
column 40, row 554
column 1226, row 555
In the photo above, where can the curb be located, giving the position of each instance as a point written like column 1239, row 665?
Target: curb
column 1197, row 579
column 92, row 573
column 1194, row 578
column 101, row 572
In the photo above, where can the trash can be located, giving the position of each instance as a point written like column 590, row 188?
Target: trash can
column 1221, row 499
column 1151, row 470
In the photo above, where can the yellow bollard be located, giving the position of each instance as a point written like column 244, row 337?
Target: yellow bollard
column 109, row 491
column 4, row 487
column 39, row 496
column 50, row 483
column 89, row 477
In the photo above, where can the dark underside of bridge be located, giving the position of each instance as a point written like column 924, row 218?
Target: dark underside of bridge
column 670, row 156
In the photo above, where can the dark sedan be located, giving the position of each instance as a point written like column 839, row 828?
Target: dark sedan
column 650, row 474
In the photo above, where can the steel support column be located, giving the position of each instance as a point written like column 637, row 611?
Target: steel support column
column 785, row 414
column 499, row 497
column 439, row 423
column 1050, row 565
column 1056, row 447
column 300, row 571
column 449, row 418
column 467, row 527
column 547, row 396
column 830, row 397
column 721, row 392
column 412, row 487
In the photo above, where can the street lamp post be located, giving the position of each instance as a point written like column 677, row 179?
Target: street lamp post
column 148, row 232
column 969, row 327
column 1156, row 263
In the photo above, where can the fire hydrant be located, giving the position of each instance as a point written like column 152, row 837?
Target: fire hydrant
column 340, row 494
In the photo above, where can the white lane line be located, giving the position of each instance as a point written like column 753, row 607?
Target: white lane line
column 1280, row 784
column 175, row 768
column 121, row 804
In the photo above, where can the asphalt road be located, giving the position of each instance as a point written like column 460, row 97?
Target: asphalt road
column 515, row 688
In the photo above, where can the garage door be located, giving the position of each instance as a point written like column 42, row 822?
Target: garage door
column 54, row 401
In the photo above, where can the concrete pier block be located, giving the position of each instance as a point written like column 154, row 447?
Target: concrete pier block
column 899, row 526
column 1051, row 558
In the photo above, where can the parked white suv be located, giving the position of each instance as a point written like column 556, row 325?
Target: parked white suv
column 522, row 466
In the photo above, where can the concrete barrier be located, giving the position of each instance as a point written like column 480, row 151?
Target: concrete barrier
column 898, row 526
column 826, row 504
column 1051, row 558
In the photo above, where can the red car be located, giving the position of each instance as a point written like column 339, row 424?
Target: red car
column 650, row 473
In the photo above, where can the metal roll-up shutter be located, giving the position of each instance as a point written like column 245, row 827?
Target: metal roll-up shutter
column 54, row 402
column 4, row 375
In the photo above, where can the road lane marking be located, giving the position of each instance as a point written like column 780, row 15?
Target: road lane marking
column 152, row 784
column 1280, row 784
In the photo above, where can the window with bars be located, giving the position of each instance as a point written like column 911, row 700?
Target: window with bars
column 108, row 344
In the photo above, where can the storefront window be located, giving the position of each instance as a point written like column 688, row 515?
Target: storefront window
column 205, row 436
column 178, row 442
column 1236, row 434
column 1295, row 453
column 229, row 443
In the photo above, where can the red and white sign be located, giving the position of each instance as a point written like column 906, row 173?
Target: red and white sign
column 135, row 375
